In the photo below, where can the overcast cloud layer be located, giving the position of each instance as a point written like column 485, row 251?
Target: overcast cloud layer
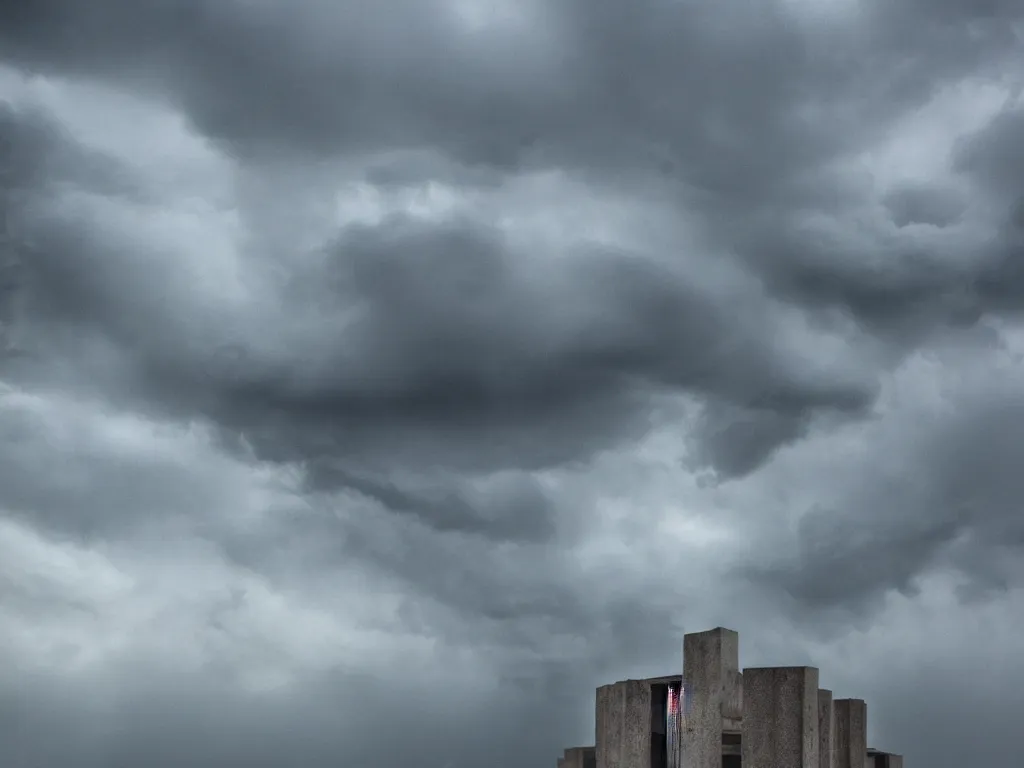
column 379, row 378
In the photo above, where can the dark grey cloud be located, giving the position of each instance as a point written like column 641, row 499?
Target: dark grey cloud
column 718, row 98
column 924, row 205
column 377, row 360
column 953, row 507
column 440, row 338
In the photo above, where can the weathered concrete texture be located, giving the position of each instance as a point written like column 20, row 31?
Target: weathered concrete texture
column 712, row 692
column 780, row 717
column 826, row 728
column 732, row 709
column 624, row 725
column 578, row 757
column 851, row 738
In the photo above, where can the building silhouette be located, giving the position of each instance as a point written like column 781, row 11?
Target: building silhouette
column 713, row 715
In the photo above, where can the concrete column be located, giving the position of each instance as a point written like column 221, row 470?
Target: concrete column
column 851, row 737
column 826, row 728
column 780, row 717
column 623, row 727
column 712, row 692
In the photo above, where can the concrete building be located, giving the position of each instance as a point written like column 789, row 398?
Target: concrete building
column 715, row 716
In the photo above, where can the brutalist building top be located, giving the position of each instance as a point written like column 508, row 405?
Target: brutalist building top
column 715, row 716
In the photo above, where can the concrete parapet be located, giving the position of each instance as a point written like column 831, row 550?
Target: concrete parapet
column 780, row 717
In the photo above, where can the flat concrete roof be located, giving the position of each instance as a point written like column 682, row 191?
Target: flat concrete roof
column 665, row 679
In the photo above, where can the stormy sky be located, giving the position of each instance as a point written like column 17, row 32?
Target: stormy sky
column 379, row 378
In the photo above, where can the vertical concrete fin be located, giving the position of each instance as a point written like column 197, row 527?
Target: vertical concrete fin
column 623, row 725
column 851, row 734
column 780, row 717
column 826, row 728
column 712, row 693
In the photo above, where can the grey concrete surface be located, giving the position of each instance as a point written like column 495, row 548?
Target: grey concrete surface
column 712, row 685
column 851, row 737
column 780, row 717
column 623, row 727
column 826, row 728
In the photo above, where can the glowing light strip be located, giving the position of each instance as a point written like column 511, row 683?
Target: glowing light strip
column 674, row 723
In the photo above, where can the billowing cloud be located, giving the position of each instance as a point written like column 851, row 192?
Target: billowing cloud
column 415, row 367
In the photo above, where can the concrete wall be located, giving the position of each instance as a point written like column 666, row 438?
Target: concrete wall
column 578, row 757
column 780, row 717
column 826, row 728
column 623, row 727
column 851, row 738
column 851, row 734
column 711, row 680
